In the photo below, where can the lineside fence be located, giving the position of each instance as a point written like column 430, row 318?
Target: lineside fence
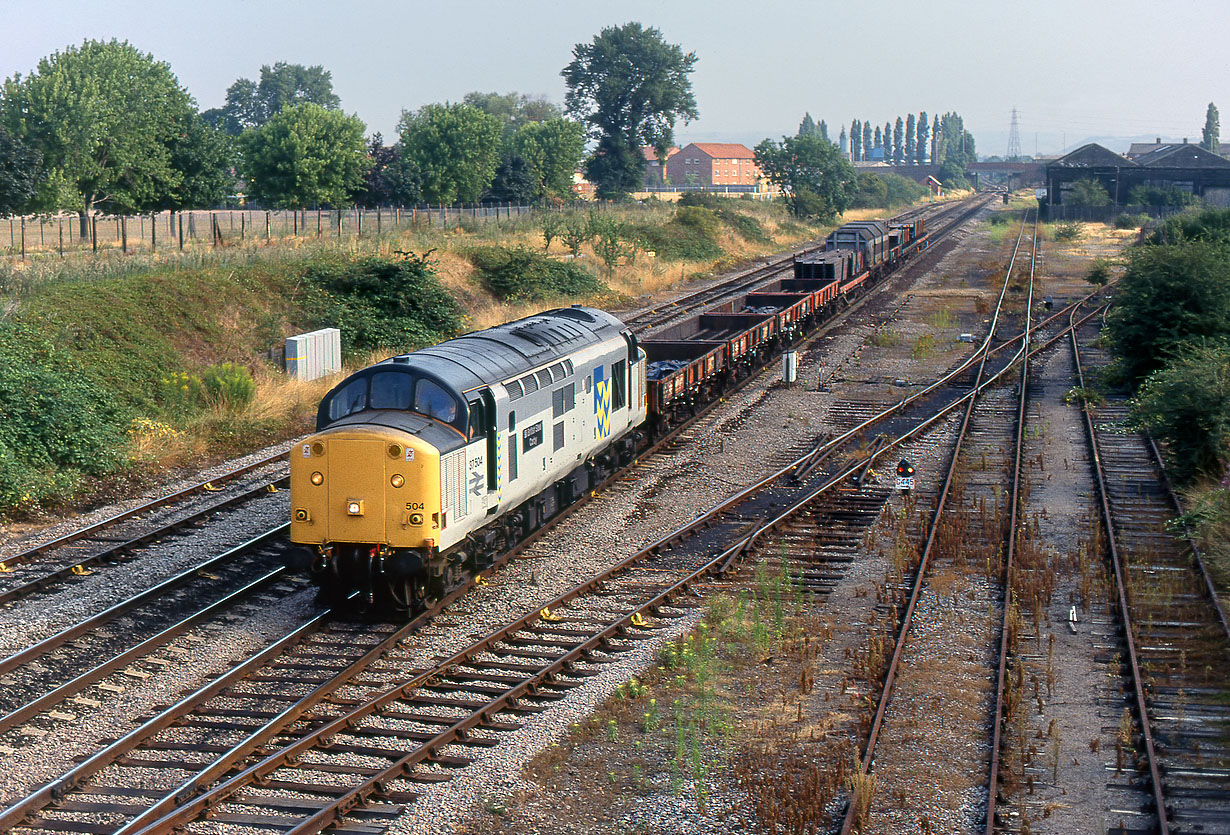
column 24, row 237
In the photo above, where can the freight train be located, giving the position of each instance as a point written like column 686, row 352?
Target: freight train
column 425, row 467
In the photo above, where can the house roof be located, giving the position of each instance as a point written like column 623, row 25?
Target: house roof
column 1092, row 155
column 732, row 150
column 1181, row 156
column 651, row 155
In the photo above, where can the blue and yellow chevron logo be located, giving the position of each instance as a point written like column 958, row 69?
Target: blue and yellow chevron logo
column 602, row 402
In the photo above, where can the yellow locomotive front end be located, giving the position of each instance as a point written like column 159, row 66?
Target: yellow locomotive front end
column 366, row 503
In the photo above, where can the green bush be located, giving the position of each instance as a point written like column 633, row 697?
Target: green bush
column 229, row 385
column 1187, row 405
column 1169, row 298
column 1126, row 221
column 691, row 235
column 1161, row 196
column 884, row 191
column 388, row 303
column 57, row 426
column 1211, row 225
column 520, row 273
column 1068, row 230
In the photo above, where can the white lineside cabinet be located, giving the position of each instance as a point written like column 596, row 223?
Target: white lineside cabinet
column 310, row 356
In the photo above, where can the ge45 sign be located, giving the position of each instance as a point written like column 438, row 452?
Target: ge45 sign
column 905, row 475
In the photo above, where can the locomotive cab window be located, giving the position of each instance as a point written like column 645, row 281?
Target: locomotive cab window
column 432, row 400
column 391, row 390
column 619, row 384
column 349, row 399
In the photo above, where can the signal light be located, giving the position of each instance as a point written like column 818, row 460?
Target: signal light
column 905, row 469
column 317, row 478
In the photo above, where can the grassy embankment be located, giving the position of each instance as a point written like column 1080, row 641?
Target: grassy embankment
column 117, row 370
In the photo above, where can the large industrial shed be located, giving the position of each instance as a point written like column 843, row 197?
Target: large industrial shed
column 1183, row 166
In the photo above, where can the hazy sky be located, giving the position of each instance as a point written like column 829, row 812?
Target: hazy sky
column 1075, row 69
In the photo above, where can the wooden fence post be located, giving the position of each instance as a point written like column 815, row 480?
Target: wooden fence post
column 124, row 234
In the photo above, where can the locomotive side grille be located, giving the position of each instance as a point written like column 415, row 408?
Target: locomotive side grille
column 453, row 485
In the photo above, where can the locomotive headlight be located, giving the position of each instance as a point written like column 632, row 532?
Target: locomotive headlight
column 354, row 507
column 318, row 478
column 397, row 480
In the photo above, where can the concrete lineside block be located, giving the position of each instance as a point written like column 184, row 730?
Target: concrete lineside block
column 310, row 356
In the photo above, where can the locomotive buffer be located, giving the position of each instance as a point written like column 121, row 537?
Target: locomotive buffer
column 905, row 476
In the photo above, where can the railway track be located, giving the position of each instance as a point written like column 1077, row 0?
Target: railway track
column 121, row 536
column 126, row 638
column 36, row 808
column 1173, row 630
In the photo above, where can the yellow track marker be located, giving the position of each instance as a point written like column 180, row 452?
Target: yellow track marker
column 549, row 616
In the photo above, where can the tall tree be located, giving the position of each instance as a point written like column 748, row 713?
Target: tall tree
column 813, row 174
column 630, row 86
column 514, row 109
column 104, row 116
column 21, row 170
column 879, row 138
column 305, row 156
column 552, row 150
column 888, row 141
column 921, row 150
column 513, row 182
column 454, row 150
column 909, row 139
column 937, row 136
column 205, row 158
column 250, row 105
column 843, row 143
column 1212, row 129
column 898, row 142
column 389, row 181
column 866, row 139
column 807, row 127
column 856, row 141
column 824, row 131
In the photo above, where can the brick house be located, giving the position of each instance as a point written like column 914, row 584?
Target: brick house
column 654, row 176
column 713, row 164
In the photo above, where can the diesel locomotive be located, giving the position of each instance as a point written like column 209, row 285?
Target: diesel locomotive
column 425, row 467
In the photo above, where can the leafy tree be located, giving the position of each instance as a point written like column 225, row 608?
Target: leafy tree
column 824, row 131
column 1211, row 135
column 1187, row 405
column 813, row 174
column 898, row 145
column 552, row 148
column 879, row 138
column 454, row 150
column 856, row 141
column 843, row 143
column 1171, row 195
column 958, row 142
column 513, row 183
column 909, row 139
column 884, row 191
column 888, row 141
column 866, row 139
column 514, row 110
column 807, row 127
column 205, row 157
column 250, row 105
column 305, row 155
column 384, row 182
column 21, row 169
column 937, row 135
column 921, row 143
column 104, row 116
column 630, row 86
column 1169, row 299
column 1088, row 192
